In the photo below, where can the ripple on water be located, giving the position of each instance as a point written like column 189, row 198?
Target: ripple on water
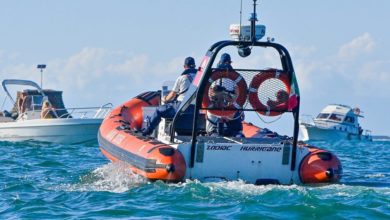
column 40, row 180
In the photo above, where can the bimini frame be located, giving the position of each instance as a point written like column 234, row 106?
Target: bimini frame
column 22, row 83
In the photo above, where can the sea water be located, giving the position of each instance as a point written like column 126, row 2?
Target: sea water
column 49, row 181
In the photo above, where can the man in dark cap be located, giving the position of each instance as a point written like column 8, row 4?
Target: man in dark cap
column 216, row 125
column 222, row 84
column 225, row 62
column 175, row 97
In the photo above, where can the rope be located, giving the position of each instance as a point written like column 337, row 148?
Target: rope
column 269, row 122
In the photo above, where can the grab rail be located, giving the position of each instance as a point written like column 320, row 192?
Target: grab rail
column 81, row 112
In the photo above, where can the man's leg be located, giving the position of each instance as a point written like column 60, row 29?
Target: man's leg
column 234, row 128
column 164, row 111
column 212, row 125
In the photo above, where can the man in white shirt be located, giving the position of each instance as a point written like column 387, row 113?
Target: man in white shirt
column 175, row 97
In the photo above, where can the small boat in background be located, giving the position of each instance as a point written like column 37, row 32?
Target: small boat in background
column 25, row 120
column 335, row 122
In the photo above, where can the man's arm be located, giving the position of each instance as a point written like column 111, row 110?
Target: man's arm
column 175, row 90
column 170, row 97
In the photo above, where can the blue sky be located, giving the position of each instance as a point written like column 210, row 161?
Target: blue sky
column 109, row 51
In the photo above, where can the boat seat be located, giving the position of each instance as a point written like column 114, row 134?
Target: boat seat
column 185, row 122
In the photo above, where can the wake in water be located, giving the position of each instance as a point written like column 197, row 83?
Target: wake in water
column 112, row 177
column 59, row 181
column 118, row 178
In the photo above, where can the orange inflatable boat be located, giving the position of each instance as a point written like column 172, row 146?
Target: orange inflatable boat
column 184, row 148
column 156, row 160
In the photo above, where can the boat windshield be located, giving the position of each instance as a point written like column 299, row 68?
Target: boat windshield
column 336, row 117
column 32, row 102
column 37, row 101
column 323, row 116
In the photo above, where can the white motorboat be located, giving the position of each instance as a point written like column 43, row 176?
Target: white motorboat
column 69, row 126
column 335, row 122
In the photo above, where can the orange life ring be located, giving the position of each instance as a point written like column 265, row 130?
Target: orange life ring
column 282, row 95
column 240, row 87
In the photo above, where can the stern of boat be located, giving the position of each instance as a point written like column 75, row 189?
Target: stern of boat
column 254, row 161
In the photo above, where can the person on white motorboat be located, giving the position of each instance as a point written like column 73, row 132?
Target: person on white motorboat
column 48, row 111
column 215, row 125
column 23, row 102
column 175, row 97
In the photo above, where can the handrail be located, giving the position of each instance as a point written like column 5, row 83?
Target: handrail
column 84, row 112
column 101, row 113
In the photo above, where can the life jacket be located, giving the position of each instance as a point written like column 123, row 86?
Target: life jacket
column 188, row 73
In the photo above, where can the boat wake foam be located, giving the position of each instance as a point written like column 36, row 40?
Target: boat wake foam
column 112, row 177
column 239, row 187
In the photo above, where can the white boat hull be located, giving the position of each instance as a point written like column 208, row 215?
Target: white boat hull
column 64, row 131
column 267, row 163
column 314, row 133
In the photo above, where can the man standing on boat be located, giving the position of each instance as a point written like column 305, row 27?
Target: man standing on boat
column 175, row 97
column 215, row 125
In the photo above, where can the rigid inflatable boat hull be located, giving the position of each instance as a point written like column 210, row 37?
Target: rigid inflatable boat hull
column 257, row 159
column 147, row 157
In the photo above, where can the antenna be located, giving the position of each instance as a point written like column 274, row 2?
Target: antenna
column 253, row 20
column 240, row 37
column 41, row 67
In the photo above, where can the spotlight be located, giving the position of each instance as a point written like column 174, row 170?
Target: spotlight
column 244, row 51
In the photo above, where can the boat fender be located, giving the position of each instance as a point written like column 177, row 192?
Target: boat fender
column 240, row 88
column 282, row 95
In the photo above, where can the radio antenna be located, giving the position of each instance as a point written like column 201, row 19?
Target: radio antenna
column 240, row 38
column 253, row 20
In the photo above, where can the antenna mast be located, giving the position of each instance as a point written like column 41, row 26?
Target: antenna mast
column 41, row 67
column 240, row 37
column 253, row 20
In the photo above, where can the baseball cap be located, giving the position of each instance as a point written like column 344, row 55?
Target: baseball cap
column 225, row 58
column 189, row 61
